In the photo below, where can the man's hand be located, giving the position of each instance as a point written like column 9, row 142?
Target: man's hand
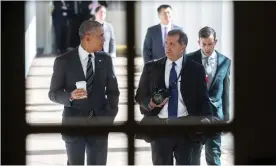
column 78, row 94
column 152, row 105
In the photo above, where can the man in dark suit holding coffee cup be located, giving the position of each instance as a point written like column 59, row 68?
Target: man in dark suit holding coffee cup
column 84, row 82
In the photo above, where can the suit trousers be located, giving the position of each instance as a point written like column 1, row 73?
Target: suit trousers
column 212, row 151
column 165, row 149
column 94, row 146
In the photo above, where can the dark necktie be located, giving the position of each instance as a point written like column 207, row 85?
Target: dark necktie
column 89, row 74
column 173, row 100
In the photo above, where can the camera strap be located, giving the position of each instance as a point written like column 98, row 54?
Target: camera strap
column 175, row 81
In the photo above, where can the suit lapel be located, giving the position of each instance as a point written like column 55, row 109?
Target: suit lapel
column 76, row 64
column 198, row 57
column 160, row 36
column 182, row 78
column 220, row 60
column 162, row 73
column 98, row 60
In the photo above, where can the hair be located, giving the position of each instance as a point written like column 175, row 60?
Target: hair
column 99, row 7
column 206, row 31
column 183, row 39
column 88, row 26
column 163, row 7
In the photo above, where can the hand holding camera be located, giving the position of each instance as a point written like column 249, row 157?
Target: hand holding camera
column 153, row 105
column 159, row 98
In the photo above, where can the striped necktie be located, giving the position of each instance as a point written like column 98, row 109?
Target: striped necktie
column 89, row 74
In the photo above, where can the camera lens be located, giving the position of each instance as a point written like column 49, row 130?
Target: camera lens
column 157, row 99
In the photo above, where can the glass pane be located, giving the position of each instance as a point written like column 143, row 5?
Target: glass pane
column 49, row 149
column 143, row 152
column 191, row 16
column 49, row 34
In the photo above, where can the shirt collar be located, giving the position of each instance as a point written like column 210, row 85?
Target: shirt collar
column 212, row 56
column 84, row 54
column 168, row 26
column 178, row 61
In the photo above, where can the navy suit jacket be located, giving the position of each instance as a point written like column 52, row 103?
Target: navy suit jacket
column 219, row 89
column 153, row 44
column 104, row 96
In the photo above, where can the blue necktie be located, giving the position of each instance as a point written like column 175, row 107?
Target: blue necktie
column 173, row 100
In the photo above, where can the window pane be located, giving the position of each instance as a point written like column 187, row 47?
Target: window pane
column 49, row 149
column 48, row 31
column 143, row 152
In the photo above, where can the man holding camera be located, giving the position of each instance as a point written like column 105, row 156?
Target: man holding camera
column 173, row 89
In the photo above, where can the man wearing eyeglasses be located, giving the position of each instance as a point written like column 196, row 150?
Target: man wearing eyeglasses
column 84, row 82
column 185, row 100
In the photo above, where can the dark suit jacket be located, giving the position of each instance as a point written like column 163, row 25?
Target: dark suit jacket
column 104, row 96
column 83, row 10
column 219, row 89
column 193, row 87
column 153, row 44
column 57, row 13
column 109, row 39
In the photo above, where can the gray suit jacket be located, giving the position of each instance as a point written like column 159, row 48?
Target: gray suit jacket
column 104, row 96
column 219, row 88
column 153, row 44
column 109, row 39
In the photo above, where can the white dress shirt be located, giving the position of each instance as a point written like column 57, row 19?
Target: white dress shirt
column 212, row 67
column 84, row 59
column 169, row 27
column 182, row 110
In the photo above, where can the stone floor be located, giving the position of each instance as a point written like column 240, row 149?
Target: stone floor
column 49, row 149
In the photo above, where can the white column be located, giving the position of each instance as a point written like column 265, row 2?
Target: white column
column 30, row 34
column 44, row 26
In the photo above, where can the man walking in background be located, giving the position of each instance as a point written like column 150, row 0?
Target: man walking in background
column 155, row 38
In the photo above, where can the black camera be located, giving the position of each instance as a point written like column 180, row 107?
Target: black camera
column 160, row 95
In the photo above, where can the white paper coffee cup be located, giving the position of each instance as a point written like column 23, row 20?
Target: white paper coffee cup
column 81, row 85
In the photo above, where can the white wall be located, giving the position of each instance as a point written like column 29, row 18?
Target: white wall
column 30, row 34
column 44, row 26
column 118, row 21
column 191, row 15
